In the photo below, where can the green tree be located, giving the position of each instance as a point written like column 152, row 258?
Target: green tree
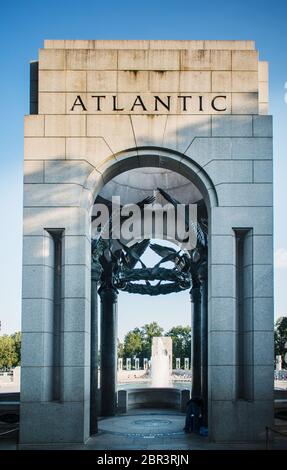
column 8, row 354
column 280, row 338
column 181, row 342
column 137, row 342
column 149, row 331
column 16, row 337
column 133, row 344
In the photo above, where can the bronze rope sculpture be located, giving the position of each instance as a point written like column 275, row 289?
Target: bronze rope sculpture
column 115, row 263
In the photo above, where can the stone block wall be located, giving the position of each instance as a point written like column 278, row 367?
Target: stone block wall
column 77, row 142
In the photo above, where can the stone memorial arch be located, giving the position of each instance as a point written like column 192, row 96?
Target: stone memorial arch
column 98, row 109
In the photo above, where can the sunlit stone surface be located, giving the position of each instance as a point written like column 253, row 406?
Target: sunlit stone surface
column 77, row 146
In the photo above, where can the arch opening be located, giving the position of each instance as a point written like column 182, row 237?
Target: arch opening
column 149, row 157
column 134, row 179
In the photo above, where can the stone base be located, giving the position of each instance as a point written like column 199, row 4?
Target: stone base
column 240, row 421
column 59, row 423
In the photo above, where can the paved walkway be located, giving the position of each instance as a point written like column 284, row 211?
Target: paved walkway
column 142, row 429
column 151, row 430
column 147, row 430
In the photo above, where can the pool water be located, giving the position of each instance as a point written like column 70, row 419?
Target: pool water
column 175, row 384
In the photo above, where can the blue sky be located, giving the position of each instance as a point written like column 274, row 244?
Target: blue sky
column 25, row 25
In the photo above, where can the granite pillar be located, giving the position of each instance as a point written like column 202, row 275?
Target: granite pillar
column 204, row 346
column 108, row 297
column 195, row 296
column 94, row 356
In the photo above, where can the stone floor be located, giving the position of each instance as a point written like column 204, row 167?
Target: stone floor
column 149, row 429
column 155, row 430
column 143, row 429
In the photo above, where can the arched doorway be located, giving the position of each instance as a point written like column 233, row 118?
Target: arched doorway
column 132, row 178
